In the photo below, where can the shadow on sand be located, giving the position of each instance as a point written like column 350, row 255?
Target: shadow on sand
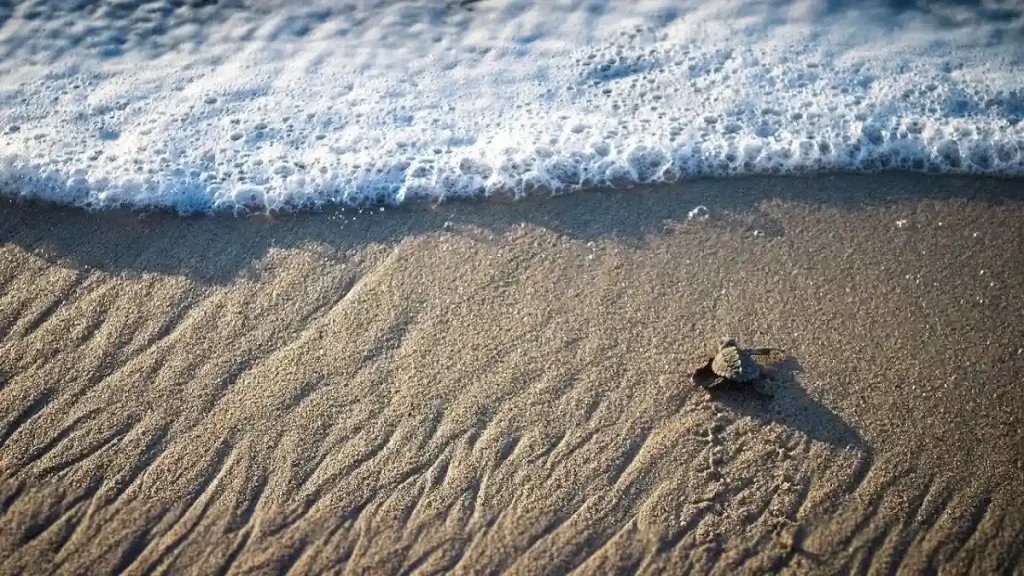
column 783, row 400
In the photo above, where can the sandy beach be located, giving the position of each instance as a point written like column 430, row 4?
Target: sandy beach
column 494, row 387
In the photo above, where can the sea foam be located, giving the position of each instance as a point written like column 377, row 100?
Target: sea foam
column 203, row 105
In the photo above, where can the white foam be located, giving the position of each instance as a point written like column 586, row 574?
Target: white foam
column 202, row 105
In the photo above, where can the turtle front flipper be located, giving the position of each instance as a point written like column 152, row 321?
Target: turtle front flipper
column 763, row 351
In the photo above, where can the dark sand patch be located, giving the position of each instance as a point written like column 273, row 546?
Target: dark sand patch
column 511, row 391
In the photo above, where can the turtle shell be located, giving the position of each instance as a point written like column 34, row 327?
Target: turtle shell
column 735, row 364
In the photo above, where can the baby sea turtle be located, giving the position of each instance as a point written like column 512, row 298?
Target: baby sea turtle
column 730, row 364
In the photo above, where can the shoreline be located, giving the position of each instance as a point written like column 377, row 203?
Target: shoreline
column 992, row 185
column 472, row 387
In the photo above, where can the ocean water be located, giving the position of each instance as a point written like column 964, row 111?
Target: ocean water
column 203, row 105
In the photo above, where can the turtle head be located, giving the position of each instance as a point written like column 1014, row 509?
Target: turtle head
column 727, row 342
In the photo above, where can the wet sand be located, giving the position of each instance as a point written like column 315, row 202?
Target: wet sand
column 487, row 387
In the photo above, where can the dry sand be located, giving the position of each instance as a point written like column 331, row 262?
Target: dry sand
column 392, row 394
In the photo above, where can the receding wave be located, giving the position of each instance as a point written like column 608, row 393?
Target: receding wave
column 218, row 105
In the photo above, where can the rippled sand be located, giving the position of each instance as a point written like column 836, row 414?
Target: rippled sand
column 479, row 387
